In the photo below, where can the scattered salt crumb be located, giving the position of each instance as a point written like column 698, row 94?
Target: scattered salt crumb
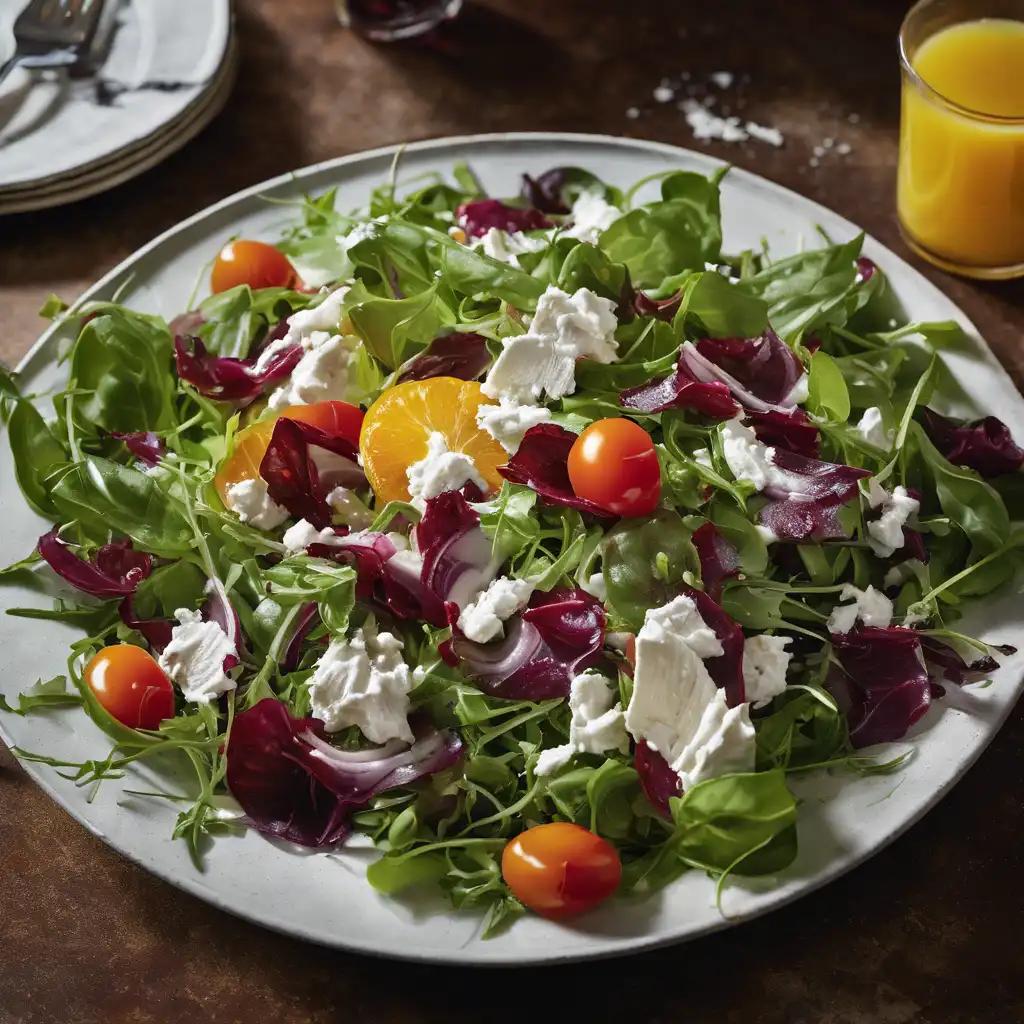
column 632, row 113
column 892, row 322
column 814, row 161
column 818, row 151
column 853, row 118
column 843, row 148
column 706, row 126
column 685, row 76
column 723, row 79
column 770, row 135
column 664, row 94
column 827, row 143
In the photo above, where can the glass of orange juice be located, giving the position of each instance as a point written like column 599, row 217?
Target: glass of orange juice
column 960, row 185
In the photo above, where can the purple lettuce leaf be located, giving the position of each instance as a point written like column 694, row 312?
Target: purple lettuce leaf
column 790, row 431
column 765, row 367
column 884, row 688
column 661, row 309
column 542, row 464
column 658, row 780
column 115, row 569
column 985, row 445
column 230, row 380
column 308, row 619
column 476, row 218
column 558, row 636
column 464, row 356
column 292, row 784
column 727, row 669
column 157, row 632
column 366, row 551
column 144, row 445
column 545, row 191
column 681, row 390
column 218, row 608
column 718, row 558
column 291, row 473
column 944, row 662
column 865, row 269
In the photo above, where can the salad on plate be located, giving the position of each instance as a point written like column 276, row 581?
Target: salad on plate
column 537, row 541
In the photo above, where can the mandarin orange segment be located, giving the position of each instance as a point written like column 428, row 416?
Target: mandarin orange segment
column 398, row 426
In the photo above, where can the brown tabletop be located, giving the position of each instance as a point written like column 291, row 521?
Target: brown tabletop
column 928, row 931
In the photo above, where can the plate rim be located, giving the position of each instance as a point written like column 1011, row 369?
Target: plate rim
column 620, row 946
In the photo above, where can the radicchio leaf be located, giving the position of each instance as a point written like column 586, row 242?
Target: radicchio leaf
column 366, row 551
column 790, row 431
column 218, row 608
column 476, row 218
column 306, row 621
column 766, row 367
column 115, row 570
column 558, row 636
column 291, row 473
column 985, row 445
column 187, row 323
column 144, row 445
column 542, row 464
column 662, row 309
column 545, row 191
column 230, row 380
column 681, row 390
column 727, row 669
column 947, row 663
column 658, row 780
column 885, row 688
column 157, row 632
column 292, row 784
column 464, row 356
column 718, row 558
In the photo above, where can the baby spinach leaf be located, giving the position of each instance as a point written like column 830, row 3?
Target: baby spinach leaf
column 711, row 305
column 38, row 457
column 586, row 266
column 394, row 330
column 827, row 393
column 232, row 319
column 472, row 273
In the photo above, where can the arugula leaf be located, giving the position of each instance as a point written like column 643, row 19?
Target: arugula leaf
column 51, row 693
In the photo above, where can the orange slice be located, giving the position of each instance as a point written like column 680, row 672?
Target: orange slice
column 398, row 426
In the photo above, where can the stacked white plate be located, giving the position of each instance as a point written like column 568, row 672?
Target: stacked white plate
column 168, row 71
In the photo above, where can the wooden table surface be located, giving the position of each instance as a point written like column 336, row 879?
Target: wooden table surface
column 928, row 931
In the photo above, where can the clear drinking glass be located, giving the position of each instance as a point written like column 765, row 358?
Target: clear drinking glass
column 386, row 21
column 960, row 183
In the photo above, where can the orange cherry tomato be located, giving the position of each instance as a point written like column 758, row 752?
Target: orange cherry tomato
column 251, row 443
column 131, row 686
column 253, row 263
column 560, row 869
column 613, row 464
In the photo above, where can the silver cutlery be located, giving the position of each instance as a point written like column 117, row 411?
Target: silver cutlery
column 52, row 33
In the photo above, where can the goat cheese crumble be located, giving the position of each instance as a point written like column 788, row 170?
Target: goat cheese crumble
column 251, row 502
column 194, row 659
column 483, row 618
column 440, row 470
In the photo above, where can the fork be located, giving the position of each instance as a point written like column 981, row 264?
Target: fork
column 52, row 33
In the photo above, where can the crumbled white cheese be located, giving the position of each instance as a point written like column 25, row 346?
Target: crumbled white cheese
column 440, row 470
column 508, row 421
column 271, row 352
column 320, row 376
column 663, row 93
column 872, row 429
column 349, row 509
column 363, row 682
column 506, row 246
column 565, row 328
column 360, row 233
column 723, row 79
column 298, row 537
column 764, row 134
column 323, row 318
column 482, row 619
column 595, row 586
column 592, row 214
column 871, row 606
column 703, row 458
column 632, row 113
column 706, row 125
column 886, row 532
column 765, row 661
column 751, row 461
column 597, row 724
column 899, row 574
column 249, row 500
column 194, row 659
column 676, row 707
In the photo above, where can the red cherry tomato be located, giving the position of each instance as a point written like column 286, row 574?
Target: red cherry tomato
column 560, row 869
column 253, row 263
column 613, row 464
column 131, row 686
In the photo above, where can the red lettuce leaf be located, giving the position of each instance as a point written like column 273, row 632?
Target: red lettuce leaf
column 792, row 431
column 292, row 784
column 885, row 687
column 681, row 390
column 985, row 445
column 558, row 636
column 230, row 380
column 464, row 356
column 115, row 569
column 718, row 559
column 292, row 477
column 476, row 218
column 727, row 669
column 765, row 367
column 144, row 445
column 658, row 780
column 542, row 464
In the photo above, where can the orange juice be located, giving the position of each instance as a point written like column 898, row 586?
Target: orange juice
column 960, row 192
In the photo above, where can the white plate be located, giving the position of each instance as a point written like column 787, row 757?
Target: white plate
column 52, row 126
column 843, row 819
column 134, row 160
